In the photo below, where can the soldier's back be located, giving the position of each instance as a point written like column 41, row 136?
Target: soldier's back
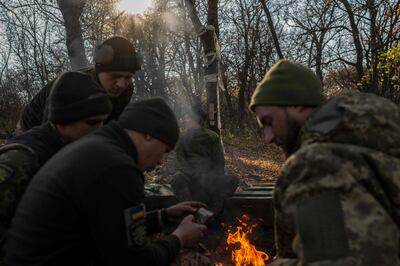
column 349, row 149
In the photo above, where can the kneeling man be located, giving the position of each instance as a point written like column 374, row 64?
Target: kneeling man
column 84, row 207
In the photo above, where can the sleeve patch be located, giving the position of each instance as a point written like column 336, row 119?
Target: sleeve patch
column 320, row 223
column 135, row 222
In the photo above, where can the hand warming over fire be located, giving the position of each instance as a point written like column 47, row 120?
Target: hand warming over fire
column 177, row 212
column 189, row 232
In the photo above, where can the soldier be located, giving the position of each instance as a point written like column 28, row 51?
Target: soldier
column 337, row 198
column 116, row 60
column 85, row 206
column 201, row 164
column 78, row 106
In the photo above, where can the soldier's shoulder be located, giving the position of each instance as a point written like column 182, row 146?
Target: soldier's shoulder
column 368, row 104
column 14, row 157
column 11, row 148
column 351, row 106
column 16, row 153
column 316, row 158
column 88, row 70
column 352, row 112
column 326, row 117
column 205, row 135
column 356, row 118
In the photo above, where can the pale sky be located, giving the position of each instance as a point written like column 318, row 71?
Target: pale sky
column 134, row 6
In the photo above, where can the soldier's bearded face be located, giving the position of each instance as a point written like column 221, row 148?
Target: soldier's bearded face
column 115, row 83
column 293, row 131
column 278, row 126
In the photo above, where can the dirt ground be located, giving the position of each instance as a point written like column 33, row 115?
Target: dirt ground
column 253, row 161
column 248, row 158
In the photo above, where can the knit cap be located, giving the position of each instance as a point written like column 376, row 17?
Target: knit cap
column 75, row 96
column 288, row 83
column 152, row 116
column 117, row 54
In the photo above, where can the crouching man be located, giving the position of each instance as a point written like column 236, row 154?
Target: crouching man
column 78, row 106
column 337, row 199
column 201, row 164
column 84, row 207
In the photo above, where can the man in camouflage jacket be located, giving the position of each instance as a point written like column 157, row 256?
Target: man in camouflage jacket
column 337, row 199
column 116, row 61
column 74, row 112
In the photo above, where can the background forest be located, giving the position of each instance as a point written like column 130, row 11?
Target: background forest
column 351, row 44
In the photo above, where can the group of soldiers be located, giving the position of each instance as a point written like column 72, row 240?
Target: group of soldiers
column 72, row 190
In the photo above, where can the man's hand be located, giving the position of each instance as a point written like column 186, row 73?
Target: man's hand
column 189, row 232
column 177, row 212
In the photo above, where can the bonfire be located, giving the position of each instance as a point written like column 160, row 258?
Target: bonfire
column 243, row 252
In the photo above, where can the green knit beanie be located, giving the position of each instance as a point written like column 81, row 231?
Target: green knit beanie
column 152, row 116
column 288, row 83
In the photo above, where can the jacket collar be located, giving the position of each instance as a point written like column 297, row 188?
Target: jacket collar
column 120, row 137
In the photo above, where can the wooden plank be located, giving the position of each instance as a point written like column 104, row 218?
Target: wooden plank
column 260, row 188
column 254, row 193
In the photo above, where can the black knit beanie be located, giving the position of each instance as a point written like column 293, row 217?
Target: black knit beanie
column 117, row 54
column 75, row 96
column 153, row 117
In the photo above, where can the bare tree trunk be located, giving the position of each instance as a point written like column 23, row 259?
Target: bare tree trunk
column 272, row 29
column 318, row 56
column 226, row 92
column 356, row 38
column 212, row 63
column 373, row 83
column 71, row 11
column 212, row 18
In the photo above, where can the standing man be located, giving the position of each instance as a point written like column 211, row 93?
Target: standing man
column 337, row 198
column 78, row 106
column 116, row 61
column 201, row 164
column 85, row 206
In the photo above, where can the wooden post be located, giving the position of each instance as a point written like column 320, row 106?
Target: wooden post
column 212, row 59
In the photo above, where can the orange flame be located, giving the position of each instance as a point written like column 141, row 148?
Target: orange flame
column 243, row 252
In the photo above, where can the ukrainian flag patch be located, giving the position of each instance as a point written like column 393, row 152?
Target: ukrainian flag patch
column 135, row 222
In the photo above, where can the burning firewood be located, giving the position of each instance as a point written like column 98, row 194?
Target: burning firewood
column 243, row 252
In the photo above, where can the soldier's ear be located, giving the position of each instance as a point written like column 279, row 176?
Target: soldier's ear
column 300, row 113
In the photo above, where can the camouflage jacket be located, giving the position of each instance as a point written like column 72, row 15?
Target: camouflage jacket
column 36, row 112
column 200, row 154
column 20, row 159
column 337, row 200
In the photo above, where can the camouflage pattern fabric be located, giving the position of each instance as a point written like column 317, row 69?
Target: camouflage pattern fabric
column 349, row 149
column 18, row 164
